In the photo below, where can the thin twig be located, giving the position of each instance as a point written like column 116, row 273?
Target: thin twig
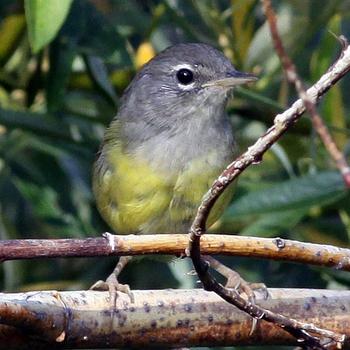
column 315, row 338
column 293, row 77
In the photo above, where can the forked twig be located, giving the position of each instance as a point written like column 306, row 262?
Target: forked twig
column 293, row 77
column 308, row 335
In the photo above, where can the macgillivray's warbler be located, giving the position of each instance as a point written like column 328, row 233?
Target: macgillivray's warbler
column 169, row 141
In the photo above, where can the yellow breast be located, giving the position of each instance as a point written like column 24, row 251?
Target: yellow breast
column 134, row 198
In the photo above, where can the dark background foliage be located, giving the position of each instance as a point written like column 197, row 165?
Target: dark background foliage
column 63, row 67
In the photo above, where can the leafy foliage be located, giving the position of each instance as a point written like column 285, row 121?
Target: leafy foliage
column 64, row 65
column 44, row 19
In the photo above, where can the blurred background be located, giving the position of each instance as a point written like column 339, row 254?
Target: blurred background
column 63, row 68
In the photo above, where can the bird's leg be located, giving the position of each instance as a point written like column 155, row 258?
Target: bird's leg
column 112, row 285
column 234, row 280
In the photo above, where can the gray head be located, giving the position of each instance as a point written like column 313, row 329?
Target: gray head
column 181, row 79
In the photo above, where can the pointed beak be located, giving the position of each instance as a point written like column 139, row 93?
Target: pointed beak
column 232, row 79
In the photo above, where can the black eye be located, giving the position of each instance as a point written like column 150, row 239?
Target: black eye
column 184, row 76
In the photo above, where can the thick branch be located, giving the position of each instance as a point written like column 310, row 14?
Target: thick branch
column 175, row 244
column 65, row 320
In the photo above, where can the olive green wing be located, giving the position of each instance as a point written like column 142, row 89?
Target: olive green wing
column 130, row 196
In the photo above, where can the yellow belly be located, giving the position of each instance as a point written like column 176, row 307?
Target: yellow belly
column 134, row 198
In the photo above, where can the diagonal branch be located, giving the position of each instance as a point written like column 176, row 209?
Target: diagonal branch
column 292, row 76
column 253, row 155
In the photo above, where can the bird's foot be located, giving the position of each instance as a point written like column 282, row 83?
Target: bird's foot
column 113, row 287
column 235, row 281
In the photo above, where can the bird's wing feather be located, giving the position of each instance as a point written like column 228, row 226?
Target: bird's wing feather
column 131, row 197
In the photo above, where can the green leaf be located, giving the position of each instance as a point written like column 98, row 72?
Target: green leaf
column 291, row 27
column 282, row 156
column 272, row 224
column 88, row 105
column 41, row 124
column 297, row 193
column 44, row 19
column 258, row 98
column 94, row 34
column 62, row 54
column 323, row 56
column 11, row 31
column 99, row 74
column 242, row 27
column 43, row 199
column 332, row 107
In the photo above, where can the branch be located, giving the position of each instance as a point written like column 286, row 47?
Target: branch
column 292, row 76
column 175, row 244
column 315, row 338
column 80, row 319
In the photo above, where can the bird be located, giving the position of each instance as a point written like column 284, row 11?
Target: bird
column 168, row 142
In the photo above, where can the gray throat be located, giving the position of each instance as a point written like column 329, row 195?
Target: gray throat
column 205, row 134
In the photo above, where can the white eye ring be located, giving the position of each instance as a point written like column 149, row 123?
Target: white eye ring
column 178, row 67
